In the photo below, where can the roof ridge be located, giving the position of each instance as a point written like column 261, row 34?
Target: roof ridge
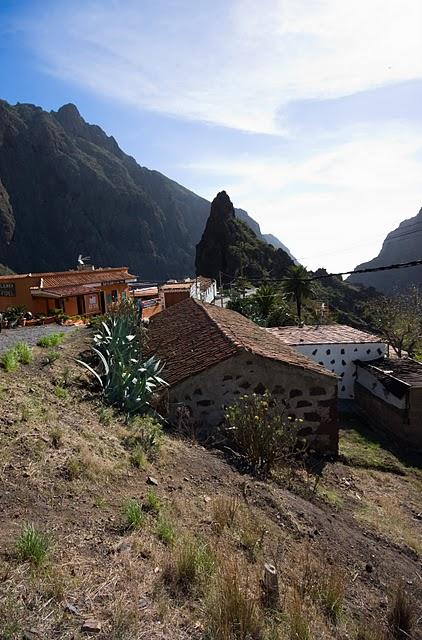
column 237, row 342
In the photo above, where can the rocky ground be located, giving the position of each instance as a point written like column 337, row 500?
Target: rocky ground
column 66, row 467
column 30, row 335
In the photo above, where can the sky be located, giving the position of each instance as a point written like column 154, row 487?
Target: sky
column 307, row 112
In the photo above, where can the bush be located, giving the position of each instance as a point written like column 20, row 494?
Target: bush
column 166, row 531
column 51, row 340
column 262, row 432
column 60, row 392
column 9, row 361
column 128, row 381
column 137, row 458
column 233, row 613
column 153, row 502
column 32, row 545
column 23, row 353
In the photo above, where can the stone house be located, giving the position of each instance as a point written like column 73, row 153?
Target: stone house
column 388, row 393
column 214, row 355
column 336, row 347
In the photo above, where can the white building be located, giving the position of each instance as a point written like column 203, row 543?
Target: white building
column 336, row 347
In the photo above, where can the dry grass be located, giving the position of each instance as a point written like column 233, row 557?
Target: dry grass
column 225, row 509
column 402, row 614
column 191, row 564
column 298, row 623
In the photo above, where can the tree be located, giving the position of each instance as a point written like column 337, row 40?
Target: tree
column 398, row 319
column 265, row 300
column 297, row 285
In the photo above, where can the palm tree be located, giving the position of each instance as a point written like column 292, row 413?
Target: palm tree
column 265, row 299
column 297, row 285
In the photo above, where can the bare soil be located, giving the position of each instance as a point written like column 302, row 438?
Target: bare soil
column 64, row 467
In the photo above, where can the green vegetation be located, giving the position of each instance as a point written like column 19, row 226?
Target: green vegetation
column 298, row 286
column 20, row 353
column 165, row 531
column 138, row 458
column 224, row 510
column 262, row 432
column 60, row 392
column 32, row 545
column 126, row 378
column 51, row 340
column 133, row 514
column 192, row 563
column 146, row 434
column 364, row 449
column 153, row 502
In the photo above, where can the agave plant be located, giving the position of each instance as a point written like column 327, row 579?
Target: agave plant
column 127, row 380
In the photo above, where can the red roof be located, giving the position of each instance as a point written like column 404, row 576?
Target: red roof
column 192, row 336
column 323, row 334
column 52, row 279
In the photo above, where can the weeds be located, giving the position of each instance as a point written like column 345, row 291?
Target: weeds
column 224, row 512
column 251, row 538
column 298, row 622
column 60, row 392
column 402, row 614
column 52, row 356
column 138, row 458
column 9, row 361
column 56, row 435
column 145, row 433
column 23, row 353
column 370, row 632
column 32, row 545
column 325, row 586
column 105, row 416
column 133, row 514
column 232, row 611
column 153, row 502
column 166, row 531
column 192, row 563
column 51, row 340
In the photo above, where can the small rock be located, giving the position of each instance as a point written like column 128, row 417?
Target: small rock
column 123, row 546
column 418, row 516
column 143, row 603
column 186, row 479
column 207, row 499
column 153, row 481
column 91, row 626
column 368, row 567
column 71, row 608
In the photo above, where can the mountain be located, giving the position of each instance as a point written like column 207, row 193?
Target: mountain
column 67, row 188
column 229, row 246
column 404, row 244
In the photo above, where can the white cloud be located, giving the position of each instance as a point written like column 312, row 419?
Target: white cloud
column 230, row 63
column 335, row 206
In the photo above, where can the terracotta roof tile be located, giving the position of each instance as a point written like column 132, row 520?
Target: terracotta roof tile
column 192, row 336
column 67, row 278
column 323, row 334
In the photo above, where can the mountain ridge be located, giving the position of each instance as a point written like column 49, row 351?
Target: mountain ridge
column 66, row 188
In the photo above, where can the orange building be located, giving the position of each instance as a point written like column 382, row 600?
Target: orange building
column 84, row 291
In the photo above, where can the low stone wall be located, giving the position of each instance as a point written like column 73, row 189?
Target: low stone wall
column 309, row 395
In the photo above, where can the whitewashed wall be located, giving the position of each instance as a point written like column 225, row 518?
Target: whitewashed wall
column 375, row 386
column 339, row 358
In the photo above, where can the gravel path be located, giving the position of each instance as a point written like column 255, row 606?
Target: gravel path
column 30, row 335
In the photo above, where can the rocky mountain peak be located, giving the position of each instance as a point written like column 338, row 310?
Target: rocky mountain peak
column 222, row 207
column 70, row 119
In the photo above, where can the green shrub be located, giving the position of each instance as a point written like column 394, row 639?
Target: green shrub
column 51, row 340
column 9, row 361
column 127, row 379
column 262, row 432
column 133, row 514
column 32, row 545
column 166, row 531
column 52, row 356
column 23, row 353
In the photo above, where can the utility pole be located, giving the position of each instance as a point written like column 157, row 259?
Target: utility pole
column 221, row 290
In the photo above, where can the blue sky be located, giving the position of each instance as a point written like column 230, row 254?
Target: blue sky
column 306, row 111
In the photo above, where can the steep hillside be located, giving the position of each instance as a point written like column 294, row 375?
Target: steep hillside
column 401, row 245
column 229, row 246
column 341, row 540
column 67, row 188
column 265, row 237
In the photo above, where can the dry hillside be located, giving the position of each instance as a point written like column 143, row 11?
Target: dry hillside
column 202, row 536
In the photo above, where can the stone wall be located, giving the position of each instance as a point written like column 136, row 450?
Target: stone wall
column 309, row 395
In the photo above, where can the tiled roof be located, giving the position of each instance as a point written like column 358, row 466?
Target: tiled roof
column 64, row 292
column 146, row 291
column 177, row 286
column 67, row 278
column 192, row 336
column 390, row 370
column 204, row 283
column 323, row 334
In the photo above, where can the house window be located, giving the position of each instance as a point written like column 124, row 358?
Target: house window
column 8, row 289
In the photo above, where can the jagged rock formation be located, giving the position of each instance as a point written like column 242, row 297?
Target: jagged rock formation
column 229, row 246
column 67, row 188
column 404, row 244
column 265, row 237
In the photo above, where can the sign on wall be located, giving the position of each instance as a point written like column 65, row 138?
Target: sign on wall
column 8, row 289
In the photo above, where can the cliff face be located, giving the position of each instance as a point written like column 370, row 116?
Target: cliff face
column 230, row 246
column 404, row 244
column 67, row 188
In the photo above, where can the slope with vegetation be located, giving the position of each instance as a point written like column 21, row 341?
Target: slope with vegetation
column 111, row 528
